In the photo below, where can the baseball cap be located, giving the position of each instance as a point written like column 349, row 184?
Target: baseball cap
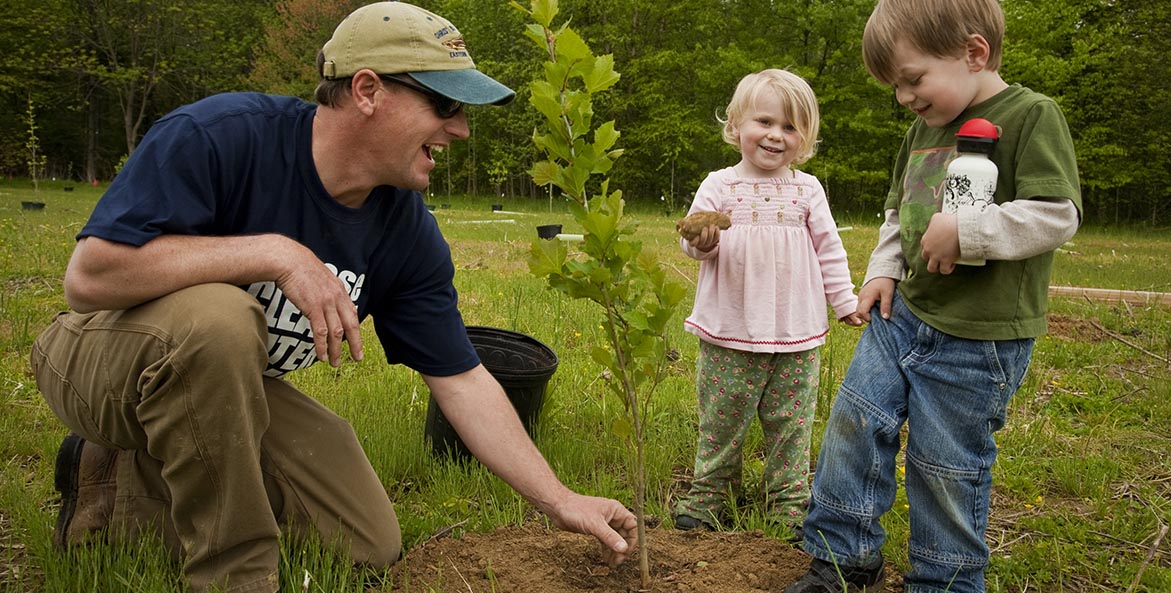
column 401, row 38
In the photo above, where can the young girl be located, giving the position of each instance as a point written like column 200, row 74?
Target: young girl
column 760, row 310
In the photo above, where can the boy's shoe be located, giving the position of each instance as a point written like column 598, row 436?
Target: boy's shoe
column 84, row 475
column 823, row 577
column 688, row 523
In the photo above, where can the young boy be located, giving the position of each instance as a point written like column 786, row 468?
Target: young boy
column 947, row 344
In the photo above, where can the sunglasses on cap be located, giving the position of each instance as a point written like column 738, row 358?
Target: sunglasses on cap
column 445, row 107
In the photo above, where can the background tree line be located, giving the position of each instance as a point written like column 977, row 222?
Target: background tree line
column 94, row 74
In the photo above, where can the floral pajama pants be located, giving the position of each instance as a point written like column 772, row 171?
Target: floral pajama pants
column 733, row 387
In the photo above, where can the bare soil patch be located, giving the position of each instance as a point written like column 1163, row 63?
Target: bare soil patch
column 533, row 559
column 1073, row 329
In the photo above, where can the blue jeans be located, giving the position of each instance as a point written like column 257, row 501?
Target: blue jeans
column 952, row 394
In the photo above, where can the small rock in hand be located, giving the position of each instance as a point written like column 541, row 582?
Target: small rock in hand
column 692, row 225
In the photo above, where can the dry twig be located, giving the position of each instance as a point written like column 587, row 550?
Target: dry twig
column 1128, row 343
column 1150, row 555
column 443, row 532
column 461, row 576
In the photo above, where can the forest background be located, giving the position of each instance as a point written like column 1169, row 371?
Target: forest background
column 81, row 81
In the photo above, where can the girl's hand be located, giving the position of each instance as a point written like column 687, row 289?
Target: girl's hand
column 853, row 319
column 707, row 239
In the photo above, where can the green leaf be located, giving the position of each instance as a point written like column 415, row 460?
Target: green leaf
column 546, row 98
column 547, row 257
column 605, row 136
column 544, row 11
column 571, row 48
column 637, row 321
column 554, row 145
column 557, row 75
column 602, row 356
column 622, row 428
column 602, row 76
column 537, row 34
column 544, row 172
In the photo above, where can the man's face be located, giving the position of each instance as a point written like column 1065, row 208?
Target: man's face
column 411, row 132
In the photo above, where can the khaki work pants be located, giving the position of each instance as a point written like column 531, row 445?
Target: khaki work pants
column 213, row 454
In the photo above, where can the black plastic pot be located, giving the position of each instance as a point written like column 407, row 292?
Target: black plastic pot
column 497, row 207
column 521, row 364
column 32, row 205
column 548, row 231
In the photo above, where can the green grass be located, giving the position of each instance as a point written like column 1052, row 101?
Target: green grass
column 1082, row 485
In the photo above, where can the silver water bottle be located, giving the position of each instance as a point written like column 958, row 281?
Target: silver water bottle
column 971, row 176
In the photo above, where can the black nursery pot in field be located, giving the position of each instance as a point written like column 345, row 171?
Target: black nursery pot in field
column 521, row 364
column 548, row 231
column 32, row 205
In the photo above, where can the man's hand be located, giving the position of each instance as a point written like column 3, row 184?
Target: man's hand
column 478, row 409
column 606, row 519
column 321, row 296
column 880, row 290
column 941, row 243
column 107, row 275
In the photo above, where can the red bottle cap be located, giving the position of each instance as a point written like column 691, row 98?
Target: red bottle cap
column 978, row 128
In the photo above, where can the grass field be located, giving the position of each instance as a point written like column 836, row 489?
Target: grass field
column 1082, row 492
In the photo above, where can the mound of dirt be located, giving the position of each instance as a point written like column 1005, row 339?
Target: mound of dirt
column 532, row 559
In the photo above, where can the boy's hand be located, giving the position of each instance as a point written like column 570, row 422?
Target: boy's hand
column 941, row 243
column 881, row 290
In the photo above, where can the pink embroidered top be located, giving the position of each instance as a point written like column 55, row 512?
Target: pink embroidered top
column 765, row 286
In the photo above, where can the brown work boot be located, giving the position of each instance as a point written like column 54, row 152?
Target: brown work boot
column 85, row 475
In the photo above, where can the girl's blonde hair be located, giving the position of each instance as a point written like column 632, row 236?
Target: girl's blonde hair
column 796, row 96
column 940, row 28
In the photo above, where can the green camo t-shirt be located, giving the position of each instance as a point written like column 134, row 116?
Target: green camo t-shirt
column 1035, row 159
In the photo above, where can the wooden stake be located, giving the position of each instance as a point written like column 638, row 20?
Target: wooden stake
column 1138, row 297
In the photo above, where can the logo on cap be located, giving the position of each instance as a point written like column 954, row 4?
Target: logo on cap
column 457, row 47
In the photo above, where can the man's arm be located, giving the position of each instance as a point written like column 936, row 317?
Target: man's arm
column 475, row 404
column 107, row 275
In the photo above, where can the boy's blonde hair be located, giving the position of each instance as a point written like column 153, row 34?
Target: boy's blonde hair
column 796, row 96
column 940, row 28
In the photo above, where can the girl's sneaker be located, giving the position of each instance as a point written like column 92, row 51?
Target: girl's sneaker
column 687, row 523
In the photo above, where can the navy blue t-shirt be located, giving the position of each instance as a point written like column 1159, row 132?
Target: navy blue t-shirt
column 240, row 164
